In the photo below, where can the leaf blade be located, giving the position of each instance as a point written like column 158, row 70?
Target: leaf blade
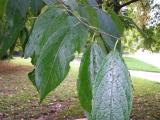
column 112, row 90
column 67, row 35
column 64, row 54
column 89, row 14
column 2, row 7
column 90, row 63
column 107, row 24
column 36, row 6
column 40, row 28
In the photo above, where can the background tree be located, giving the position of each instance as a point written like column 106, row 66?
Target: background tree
column 146, row 16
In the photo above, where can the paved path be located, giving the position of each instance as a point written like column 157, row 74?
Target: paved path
column 152, row 76
column 148, row 57
column 146, row 75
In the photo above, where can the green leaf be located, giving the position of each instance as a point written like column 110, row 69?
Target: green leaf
column 46, row 20
column 110, row 26
column 17, row 6
column 53, row 63
column 2, row 7
column 112, row 90
column 71, row 3
column 36, row 6
column 23, row 36
column 54, row 39
column 116, row 20
column 90, row 63
column 49, row 1
column 84, row 82
column 15, row 21
column 31, row 76
column 89, row 14
column 96, row 58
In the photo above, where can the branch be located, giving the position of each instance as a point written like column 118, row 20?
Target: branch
column 97, row 30
column 128, row 3
column 116, row 6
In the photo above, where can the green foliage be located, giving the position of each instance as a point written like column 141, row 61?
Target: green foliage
column 63, row 28
column 108, row 25
column 49, row 1
column 2, row 6
column 89, row 14
column 36, row 6
column 15, row 22
column 84, row 82
column 90, row 64
column 112, row 90
column 52, row 64
column 153, row 41
column 131, row 41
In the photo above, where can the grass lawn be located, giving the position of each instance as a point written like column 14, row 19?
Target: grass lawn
column 135, row 64
column 19, row 99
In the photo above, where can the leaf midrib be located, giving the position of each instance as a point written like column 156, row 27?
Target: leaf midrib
column 59, row 48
